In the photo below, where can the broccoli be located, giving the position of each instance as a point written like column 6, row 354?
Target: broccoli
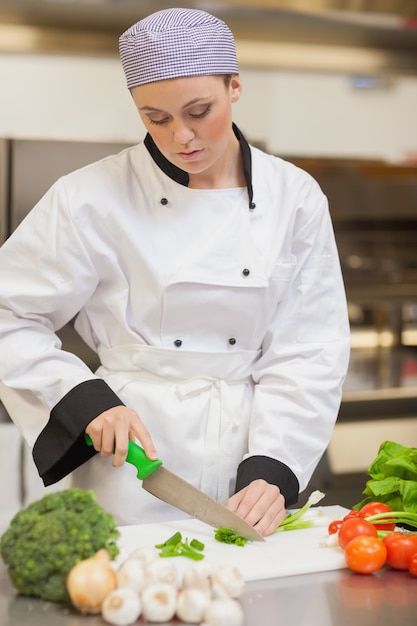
column 48, row 537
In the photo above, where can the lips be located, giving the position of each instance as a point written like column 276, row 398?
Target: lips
column 189, row 156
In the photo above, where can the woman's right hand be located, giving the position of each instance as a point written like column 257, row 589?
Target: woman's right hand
column 111, row 430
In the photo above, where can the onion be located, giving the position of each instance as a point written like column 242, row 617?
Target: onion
column 90, row 581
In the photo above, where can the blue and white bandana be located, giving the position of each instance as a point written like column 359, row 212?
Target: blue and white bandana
column 175, row 43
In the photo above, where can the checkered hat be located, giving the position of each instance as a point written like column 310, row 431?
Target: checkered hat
column 175, row 43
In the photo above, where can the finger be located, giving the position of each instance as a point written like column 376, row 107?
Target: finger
column 143, row 435
column 270, row 520
column 95, row 438
column 120, row 444
column 234, row 501
column 245, row 501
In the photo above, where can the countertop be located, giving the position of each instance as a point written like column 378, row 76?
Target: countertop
column 334, row 598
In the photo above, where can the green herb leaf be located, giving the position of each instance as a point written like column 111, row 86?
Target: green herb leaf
column 228, row 535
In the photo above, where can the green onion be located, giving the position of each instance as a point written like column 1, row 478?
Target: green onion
column 175, row 546
column 228, row 535
column 172, row 541
column 197, row 545
column 293, row 522
column 399, row 517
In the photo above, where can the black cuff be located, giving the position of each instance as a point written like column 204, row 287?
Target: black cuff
column 273, row 472
column 60, row 447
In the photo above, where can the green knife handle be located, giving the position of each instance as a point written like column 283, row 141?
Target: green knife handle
column 137, row 457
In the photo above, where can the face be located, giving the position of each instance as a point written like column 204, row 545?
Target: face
column 190, row 119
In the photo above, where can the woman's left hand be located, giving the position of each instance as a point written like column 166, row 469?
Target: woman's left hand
column 261, row 504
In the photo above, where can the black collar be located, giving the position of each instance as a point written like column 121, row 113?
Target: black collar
column 181, row 177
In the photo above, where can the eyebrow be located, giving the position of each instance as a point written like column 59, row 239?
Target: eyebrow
column 187, row 104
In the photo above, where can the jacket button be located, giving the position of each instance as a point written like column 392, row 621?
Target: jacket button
column 164, row 201
column 252, row 205
column 178, row 343
column 232, row 341
column 245, row 272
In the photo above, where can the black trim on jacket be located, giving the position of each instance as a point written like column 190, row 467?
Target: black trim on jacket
column 60, row 447
column 271, row 470
column 182, row 177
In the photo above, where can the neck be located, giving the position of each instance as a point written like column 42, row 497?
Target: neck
column 226, row 173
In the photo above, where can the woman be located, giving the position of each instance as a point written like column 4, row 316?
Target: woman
column 204, row 273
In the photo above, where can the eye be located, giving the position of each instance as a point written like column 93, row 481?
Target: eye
column 200, row 114
column 158, row 121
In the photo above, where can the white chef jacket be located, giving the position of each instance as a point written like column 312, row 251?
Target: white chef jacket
column 219, row 315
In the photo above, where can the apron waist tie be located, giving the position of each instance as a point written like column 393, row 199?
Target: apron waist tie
column 218, row 437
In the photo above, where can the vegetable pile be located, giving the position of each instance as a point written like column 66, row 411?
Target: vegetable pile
column 145, row 583
column 48, row 537
column 381, row 529
column 393, row 478
column 371, row 539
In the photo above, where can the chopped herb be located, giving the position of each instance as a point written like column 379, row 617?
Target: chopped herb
column 197, row 545
column 228, row 535
column 175, row 546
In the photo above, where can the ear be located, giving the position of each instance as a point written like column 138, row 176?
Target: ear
column 235, row 88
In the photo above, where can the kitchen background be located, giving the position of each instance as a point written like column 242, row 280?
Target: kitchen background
column 330, row 85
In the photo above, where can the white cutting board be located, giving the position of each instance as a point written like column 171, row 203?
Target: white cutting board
column 281, row 554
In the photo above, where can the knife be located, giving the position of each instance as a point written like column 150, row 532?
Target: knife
column 176, row 491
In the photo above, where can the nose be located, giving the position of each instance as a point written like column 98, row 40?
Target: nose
column 182, row 133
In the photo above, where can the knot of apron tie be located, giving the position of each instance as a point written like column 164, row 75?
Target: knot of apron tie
column 219, row 429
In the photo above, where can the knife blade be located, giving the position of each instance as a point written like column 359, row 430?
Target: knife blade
column 181, row 494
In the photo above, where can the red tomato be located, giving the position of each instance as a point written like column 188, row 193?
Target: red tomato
column 400, row 548
column 355, row 527
column 374, row 508
column 353, row 513
column 334, row 526
column 412, row 564
column 365, row 554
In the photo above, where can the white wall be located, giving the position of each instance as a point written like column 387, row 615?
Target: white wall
column 292, row 112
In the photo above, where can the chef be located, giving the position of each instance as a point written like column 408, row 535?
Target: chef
column 204, row 273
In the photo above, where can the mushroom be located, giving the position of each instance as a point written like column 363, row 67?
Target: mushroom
column 228, row 579
column 192, row 604
column 197, row 577
column 163, row 572
column 223, row 612
column 131, row 574
column 144, row 555
column 159, row 602
column 121, row 607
